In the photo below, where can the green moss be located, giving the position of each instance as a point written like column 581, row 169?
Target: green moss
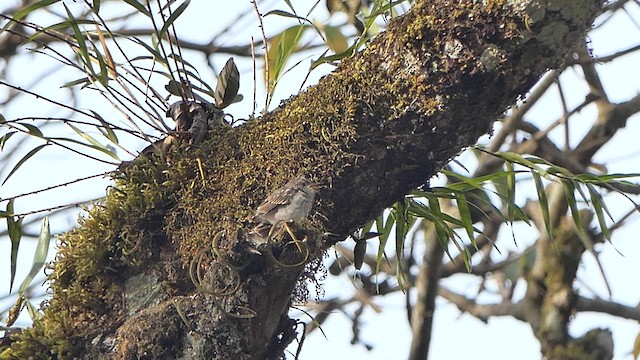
column 113, row 241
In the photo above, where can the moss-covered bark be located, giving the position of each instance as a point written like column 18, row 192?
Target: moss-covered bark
column 384, row 122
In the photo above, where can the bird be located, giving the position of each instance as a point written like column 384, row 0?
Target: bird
column 289, row 203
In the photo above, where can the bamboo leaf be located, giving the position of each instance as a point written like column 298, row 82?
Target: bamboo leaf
column 569, row 191
column 95, row 144
column 443, row 231
column 105, row 129
column 82, row 81
column 510, row 191
column 172, row 18
column 40, row 255
column 14, row 228
column 336, row 41
column 23, row 160
column 20, row 14
column 332, row 58
column 80, row 38
column 599, row 207
column 63, row 25
column 4, row 138
column 139, row 7
column 280, row 49
column 384, row 229
column 465, row 218
column 399, row 212
column 544, row 203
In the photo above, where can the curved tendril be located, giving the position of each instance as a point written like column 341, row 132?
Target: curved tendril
column 195, row 273
column 177, row 304
column 291, row 267
column 250, row 313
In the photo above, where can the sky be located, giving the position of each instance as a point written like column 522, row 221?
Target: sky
column 456, row 335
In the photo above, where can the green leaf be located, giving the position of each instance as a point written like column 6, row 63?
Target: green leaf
column 384, row 229
column 4, row 138
column 335, row 57
column 20, row 14
column 228, row 85
column 465, row 217
column 399, row 212
column 14, row 228
column 599, row 179
column 23, row 160
column 105, row 129
column 139, row 7
column 444, row 232
column 511, row 191
column 95, row 143
column 569, row 191
column 99, row 147
column 172, row 18
column 103, row 76
column 33, row 130
column 80, row 38
column 40, row 255
column 336, row 41
column 599, row 207
column 63, row 25
column 286, row 15
column 82, row 81
column 280, row 49
column 544, row 203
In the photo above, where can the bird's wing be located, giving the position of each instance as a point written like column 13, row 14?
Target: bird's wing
column 277, row 198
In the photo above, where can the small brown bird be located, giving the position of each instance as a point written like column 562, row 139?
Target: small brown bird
column 292, row 202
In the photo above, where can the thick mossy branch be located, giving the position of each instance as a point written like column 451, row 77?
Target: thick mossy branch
column 383, row 123
column 389, row 118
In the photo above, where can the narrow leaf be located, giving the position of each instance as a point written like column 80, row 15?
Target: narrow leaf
column 80, row 38
column 96, row 144
column 280, row 49
column 569, row 192
column 399, row 211
column 23, row 160
column 82, row 81
column 336, row 41
column 4, row 138
column 20, row 14
column 105, row 129
column 598, row 207
column 172, row 18
column 14, row 228
column 544, row 203
column 40, row 255
column 465, row 217
column 138, row 6
column 383, row 229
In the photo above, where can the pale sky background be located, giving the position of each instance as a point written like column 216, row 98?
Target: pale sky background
column 456, row 335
